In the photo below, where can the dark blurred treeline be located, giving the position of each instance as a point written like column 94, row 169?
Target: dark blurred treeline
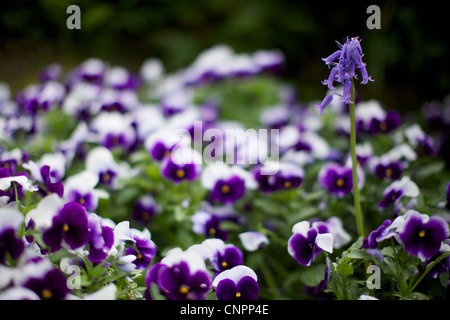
column 408, row 56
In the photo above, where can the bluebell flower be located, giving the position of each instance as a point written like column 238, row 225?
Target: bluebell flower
column 238, row 283
column 349, row 58
column 423, row 235
column 181, row 275
column 306, row 243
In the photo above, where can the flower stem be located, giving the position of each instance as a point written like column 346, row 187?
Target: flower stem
column 357, row 204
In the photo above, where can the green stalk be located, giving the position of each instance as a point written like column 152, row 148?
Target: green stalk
column 357, row 204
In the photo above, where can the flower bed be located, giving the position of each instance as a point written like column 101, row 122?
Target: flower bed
column 218, row 182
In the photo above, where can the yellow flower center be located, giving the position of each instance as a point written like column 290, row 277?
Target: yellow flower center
column 46, row 294
column 81, row 201
column 166, row 154
column 225, row 189
column 212, row 231
column 383, row 126
column 66, row 228
column 180, row 173
column 389, row 172
column 287, row 184
column 184, row 289
column 106, row 177
column 238, row 294
column 340, row 182
column 422, row 233
column 224, row 264
column 139, row 256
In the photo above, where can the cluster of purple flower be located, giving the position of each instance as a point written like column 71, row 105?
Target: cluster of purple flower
column 50, row 198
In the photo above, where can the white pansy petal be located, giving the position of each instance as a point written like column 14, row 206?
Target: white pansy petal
column 301, row 227
column 325, row 242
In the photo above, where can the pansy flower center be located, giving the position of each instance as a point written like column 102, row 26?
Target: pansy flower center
column 225, row 188
column 46, row 294
column 180, row 173
column 106, row 177
column 340, row 182
column 65, row 228
column 184, row 289
column 287, row 184
column 389, row 172
column 212, row 231
column 81, row 201
column 238, row 294
column 224, row 264
column 383, row 126
column 422, row 234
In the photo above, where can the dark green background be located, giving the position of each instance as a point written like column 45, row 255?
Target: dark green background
column 408, row 57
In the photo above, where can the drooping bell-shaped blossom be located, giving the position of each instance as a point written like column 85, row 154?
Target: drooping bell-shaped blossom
column 349, row 58
column 81, row 188
column 398, row 189
column 227, row 183
column 237, row 283
column 253, row 240
column 10, row 243
column 220, row 255
column 423, row 235
column 306, row 243
column 180, row 275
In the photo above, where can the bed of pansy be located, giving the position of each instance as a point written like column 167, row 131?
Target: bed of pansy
column 99, row 199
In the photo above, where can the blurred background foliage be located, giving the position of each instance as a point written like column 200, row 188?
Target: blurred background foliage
column 407, row 56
